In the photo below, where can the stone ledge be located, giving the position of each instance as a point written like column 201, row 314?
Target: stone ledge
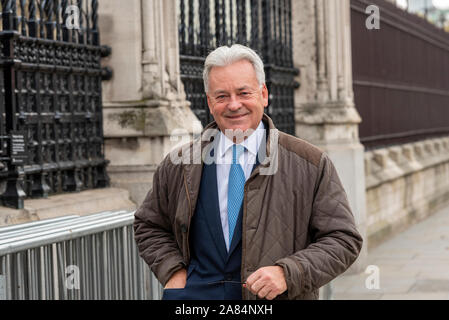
column 392, row 163
column 146, row 121
column 126, row 169
column 82, row 203
column 330, row 112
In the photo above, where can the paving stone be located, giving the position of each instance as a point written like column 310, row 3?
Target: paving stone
column 357, row 296
column 412, row 265
column 396, row 284
column 415, row 296
column 434, row 273
column 430, row 285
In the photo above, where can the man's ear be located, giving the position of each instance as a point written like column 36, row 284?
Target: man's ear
column 265, row 95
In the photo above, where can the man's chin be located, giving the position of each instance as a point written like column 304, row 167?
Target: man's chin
column 238, row 127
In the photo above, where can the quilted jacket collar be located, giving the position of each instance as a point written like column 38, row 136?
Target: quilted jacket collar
column 193, row 171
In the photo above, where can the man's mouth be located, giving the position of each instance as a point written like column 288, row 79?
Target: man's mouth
column 237, row 116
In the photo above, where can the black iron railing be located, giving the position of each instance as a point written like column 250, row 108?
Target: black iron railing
column 264, row 25
column 51, row 136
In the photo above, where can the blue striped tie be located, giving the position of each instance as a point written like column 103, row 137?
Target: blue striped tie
column 236, row 184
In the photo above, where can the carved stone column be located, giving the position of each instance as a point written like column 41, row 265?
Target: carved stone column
column 144, row 103
column 325, row 114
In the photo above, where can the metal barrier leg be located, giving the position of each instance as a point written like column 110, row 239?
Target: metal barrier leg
column 2, row 278
column 55, row 272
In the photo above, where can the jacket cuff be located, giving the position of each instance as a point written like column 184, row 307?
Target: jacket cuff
column 165, row 270
column 293, row 276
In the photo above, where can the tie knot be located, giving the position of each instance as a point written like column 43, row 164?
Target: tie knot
column 237, row 150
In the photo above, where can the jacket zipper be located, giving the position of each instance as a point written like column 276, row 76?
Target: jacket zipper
column 243, row 243
column 244, row 291
column 190, row 217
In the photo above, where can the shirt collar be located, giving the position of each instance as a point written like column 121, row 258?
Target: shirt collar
column 251, row 143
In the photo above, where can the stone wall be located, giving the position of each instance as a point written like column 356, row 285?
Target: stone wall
column 405, row 184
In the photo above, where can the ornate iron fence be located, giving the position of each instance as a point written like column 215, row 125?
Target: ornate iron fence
column 51, row 136
column 264, row 25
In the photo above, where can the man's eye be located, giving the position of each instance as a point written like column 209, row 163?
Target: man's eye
column 220, row 97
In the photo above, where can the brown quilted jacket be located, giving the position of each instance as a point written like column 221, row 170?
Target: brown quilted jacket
column 298, row 218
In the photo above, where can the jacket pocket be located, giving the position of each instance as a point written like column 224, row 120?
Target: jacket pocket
column 190, row 270
column 173, row 294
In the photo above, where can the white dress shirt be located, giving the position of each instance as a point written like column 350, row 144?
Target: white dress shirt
column 223, row 163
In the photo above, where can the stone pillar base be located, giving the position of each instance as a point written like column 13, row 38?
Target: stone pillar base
column 335, row 132
column 138, row 180
column 348, row 159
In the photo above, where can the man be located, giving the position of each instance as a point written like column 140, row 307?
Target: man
column 232, row 228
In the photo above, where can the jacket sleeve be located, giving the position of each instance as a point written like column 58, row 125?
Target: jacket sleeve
column 154, row 233
column 335, row 241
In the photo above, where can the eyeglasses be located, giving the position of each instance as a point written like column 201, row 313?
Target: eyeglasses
column 227, row 281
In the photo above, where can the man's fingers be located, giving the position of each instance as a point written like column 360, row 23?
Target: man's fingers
column 257, row 286
column 252, row 278
column 271, row 295
column 263, row 289
column 262, row 293
column 267, row 282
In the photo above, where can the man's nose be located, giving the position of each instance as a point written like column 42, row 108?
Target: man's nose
column 234, row 103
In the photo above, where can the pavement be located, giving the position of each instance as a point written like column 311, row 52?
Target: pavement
column 413, row 265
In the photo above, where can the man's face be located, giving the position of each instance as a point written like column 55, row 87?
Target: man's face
column 235, row 98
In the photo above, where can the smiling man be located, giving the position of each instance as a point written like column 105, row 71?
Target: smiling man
column 229, row 230
column 236, row 102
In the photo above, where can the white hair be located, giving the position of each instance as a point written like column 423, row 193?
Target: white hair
column 224, row 56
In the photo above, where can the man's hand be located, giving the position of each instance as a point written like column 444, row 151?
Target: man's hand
column 267, row 282
column 178, row 280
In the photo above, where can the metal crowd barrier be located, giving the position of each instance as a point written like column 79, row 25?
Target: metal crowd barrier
column 74, row 258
